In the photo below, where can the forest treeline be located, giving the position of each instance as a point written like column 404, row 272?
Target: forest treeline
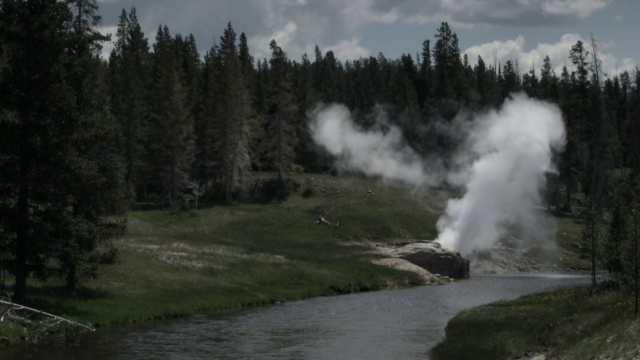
column 82, row 137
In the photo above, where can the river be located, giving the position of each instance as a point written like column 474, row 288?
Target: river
column 392, row 324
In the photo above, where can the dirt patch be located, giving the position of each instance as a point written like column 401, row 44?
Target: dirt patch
column 197, row 257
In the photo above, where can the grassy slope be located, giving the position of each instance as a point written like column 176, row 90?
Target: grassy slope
column 565, row 324
column 247, row 255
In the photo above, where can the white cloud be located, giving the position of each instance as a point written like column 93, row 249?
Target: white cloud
column 283, row 37
column 470, row 13
column 349, row 49
column 558, row 53
column 341, row 25
column 497, row 50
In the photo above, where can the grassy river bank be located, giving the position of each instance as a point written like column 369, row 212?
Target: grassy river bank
column 565, row 324
column 245, row 255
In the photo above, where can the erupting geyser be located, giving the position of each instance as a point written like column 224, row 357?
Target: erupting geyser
column 503, row 161
column 511, row 151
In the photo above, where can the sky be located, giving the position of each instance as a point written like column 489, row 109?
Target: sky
column 498, row 30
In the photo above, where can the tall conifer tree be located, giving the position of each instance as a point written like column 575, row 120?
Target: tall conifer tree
column 281, row 111
column 169, row 142
column 129, row 66
column 235, row 116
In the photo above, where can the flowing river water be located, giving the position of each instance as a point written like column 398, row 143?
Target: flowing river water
column 392, row 324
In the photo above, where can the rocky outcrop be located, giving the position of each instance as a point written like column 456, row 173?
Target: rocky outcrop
column 404, row 265
column 433, row 258
column 436, row 260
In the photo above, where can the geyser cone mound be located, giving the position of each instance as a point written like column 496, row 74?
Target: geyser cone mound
column 511, row 256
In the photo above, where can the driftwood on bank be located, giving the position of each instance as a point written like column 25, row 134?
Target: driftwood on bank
column 322, row 221
column 38, row 323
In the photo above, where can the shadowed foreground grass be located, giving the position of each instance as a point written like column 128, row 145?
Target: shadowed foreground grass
column 565, row 324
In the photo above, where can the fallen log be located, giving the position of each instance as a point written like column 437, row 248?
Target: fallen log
column 46, row 323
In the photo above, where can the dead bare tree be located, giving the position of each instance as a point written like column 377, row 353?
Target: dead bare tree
column 38, row 323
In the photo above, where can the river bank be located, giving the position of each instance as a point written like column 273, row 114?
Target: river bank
column 248, row 255
column 564, row 324
column 389, row 324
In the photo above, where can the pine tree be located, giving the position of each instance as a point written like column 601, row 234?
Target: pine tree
column 530, row 83
column 483, row 82
column 446, row 58
column 129, row 65
column 169, row 144
column 616, row 240
column 631, row 257
column 235, row 121
column 425, row 74
column 331, row 90
column 548, row 82
column 308, row 153
column 569, row 159
column 190, row 71
column 280, row 115
column 591, row 235
column 246, row 61
column 581, row 127
column 510, row 80
column 60, row 140
column 318, row 71
column 34, row 40
column 207, row 157
column 93, row 173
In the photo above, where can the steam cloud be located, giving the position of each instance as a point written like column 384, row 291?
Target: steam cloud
column 513, row 150
column 379, row 153
column 504, row 158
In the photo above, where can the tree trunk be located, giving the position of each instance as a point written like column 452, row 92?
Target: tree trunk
column 593, row 260
column 567, row 204
column 24, row 193
column 71, row 277
column 635, row 256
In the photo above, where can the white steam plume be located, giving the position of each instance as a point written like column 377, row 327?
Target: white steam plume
column 504, row 158
column 374, row 152
column 512, row 150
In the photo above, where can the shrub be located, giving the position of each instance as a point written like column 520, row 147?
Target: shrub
column 266, row 191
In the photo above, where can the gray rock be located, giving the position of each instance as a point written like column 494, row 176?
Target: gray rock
column 444, row 263
column 433, row 258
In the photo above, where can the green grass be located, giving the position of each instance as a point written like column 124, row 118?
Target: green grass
column 569, row 234
column 247, row 255
column 565, row 324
